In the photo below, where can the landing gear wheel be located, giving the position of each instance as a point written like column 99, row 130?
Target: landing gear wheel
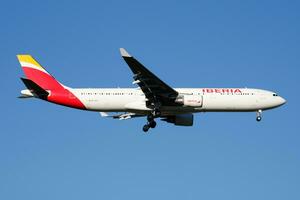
column 152, row 124
column 258, row 115
column 146, row 128
column 258, row 118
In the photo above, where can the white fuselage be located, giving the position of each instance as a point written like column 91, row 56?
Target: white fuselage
column 212, row 100
column 153, row 99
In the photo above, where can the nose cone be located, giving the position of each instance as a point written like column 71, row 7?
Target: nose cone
column 281, row 101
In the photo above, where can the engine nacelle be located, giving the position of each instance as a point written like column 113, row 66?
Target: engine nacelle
column 190, row 100
column 180, row 120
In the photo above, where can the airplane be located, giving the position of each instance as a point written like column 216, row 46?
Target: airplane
column 152, row 99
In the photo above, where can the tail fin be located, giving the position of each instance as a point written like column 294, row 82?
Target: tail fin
column 36, row 73
column 44, row 86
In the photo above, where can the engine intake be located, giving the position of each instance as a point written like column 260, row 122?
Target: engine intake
column 190, row 100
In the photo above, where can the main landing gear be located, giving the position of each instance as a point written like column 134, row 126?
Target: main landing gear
column 259, row 115
column 149, row 125
column 150, row 120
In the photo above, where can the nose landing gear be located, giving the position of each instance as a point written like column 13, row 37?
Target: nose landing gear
column 259, row 115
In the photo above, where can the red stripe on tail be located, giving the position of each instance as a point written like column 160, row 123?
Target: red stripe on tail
column 58, row 93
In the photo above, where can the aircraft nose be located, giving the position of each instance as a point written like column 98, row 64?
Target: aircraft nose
column 281, row 101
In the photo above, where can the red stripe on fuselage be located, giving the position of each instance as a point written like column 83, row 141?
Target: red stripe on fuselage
column 66, row 98
column 58, row 94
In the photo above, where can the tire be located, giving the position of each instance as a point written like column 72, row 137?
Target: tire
column 146, row 128
column 152, row 124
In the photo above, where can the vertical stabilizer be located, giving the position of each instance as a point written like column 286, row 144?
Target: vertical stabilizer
column 35, row 72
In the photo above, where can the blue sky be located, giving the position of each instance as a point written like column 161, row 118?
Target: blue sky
column 51, row 152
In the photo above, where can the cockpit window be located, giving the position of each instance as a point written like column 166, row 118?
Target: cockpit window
column 275, row 95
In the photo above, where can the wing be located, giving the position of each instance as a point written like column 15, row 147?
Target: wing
column 155, row 90
column 122, row 116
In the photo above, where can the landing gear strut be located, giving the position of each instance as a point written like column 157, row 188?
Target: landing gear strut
column 150, row 118
column 156, row 113
column 258, row 115
column 150, row 124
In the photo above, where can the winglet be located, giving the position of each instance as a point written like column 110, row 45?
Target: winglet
column 124, row 53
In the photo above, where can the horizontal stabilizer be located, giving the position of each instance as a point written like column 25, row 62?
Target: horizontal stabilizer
column 26, row 94
column 35, row 88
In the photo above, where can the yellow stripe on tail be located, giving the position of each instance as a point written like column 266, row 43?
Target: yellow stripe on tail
column 29, row 59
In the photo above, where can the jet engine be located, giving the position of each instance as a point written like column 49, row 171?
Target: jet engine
column 180, row 120
column 189, row 100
